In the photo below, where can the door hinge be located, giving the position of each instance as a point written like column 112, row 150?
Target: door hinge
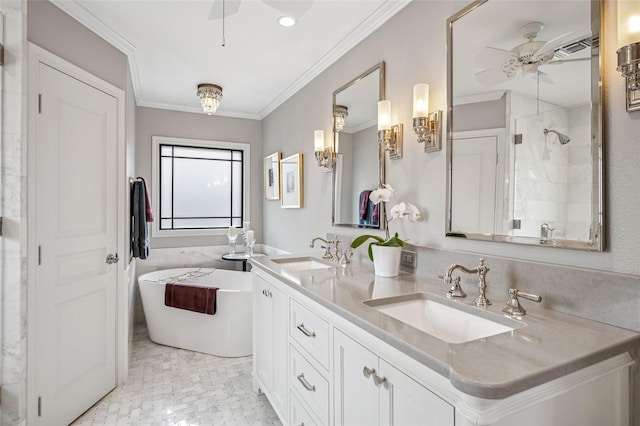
column 517, row 223
column 39, row 103
column 39, row 406
column 39, row 255
column 517, row 139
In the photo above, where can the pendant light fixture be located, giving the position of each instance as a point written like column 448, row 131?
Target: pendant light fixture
column 210, row 96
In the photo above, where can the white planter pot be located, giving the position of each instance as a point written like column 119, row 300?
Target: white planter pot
column 386, row 260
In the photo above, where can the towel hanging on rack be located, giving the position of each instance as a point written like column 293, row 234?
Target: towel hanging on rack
column 147, row 201
column 139, row 227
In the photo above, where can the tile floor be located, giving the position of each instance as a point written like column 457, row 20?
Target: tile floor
column 169, row 386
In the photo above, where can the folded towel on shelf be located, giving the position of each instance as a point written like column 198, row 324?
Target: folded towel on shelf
column 191, row 298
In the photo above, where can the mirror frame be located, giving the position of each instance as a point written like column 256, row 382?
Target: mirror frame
column 596, row 242
column 380, row 66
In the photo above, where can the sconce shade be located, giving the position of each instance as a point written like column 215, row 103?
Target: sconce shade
column 210, row 96
column 318, row 138
column 384, row 115
column 628, row 22
column 420, row 100
column 340, row 114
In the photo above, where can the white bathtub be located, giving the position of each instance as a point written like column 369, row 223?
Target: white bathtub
column 225, row 334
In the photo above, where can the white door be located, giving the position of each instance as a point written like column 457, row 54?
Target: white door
column 473, row 184
column 76, row 229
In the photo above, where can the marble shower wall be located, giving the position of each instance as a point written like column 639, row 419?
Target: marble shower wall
column 13, row 211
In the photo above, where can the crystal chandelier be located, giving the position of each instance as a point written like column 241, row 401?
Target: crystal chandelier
column 210, row 96
column 340, row 114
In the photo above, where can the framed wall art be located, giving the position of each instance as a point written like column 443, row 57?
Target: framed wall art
column 291, row 182
column 272, row 176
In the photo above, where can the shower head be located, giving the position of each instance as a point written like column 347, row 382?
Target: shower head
column 564, row 139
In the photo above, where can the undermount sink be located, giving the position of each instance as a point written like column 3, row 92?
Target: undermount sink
column 447, row 320
column 301, row 263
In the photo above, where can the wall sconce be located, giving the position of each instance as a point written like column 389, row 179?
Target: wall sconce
column 629, row 53
column 325, row 154
column 427, row 126
column 390, row 137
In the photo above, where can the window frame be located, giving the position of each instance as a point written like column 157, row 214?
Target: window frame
column 156, row 142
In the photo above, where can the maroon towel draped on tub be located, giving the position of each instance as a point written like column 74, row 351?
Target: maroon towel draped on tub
column 191, row 298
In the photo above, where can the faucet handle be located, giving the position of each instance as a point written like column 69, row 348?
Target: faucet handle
column 513, row 306
column 345, row 257
column 455, row 290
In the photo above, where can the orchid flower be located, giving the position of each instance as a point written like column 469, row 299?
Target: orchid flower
column 397, row 211
column 401, row 210
column 381, row 194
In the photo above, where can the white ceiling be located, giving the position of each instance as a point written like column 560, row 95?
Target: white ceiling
column 173, row 45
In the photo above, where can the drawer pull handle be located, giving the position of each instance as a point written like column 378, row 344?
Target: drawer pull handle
column 306, row 384
column 304, row 331
column 377, row 380
column 368, row 371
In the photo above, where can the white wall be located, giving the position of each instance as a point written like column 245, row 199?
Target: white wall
column 413, row 45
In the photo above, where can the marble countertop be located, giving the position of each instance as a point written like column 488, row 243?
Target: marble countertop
column 551, row 345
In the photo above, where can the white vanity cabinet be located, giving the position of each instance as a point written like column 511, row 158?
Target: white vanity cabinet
column 271, row 311
column 370, row 391
column 321, row 364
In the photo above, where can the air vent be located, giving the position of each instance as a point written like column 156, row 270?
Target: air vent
column 571, row 48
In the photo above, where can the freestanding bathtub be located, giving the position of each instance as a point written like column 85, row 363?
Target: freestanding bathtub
column 225, row 334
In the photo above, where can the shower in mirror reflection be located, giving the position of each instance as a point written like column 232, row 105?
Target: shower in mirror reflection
column 562, row 138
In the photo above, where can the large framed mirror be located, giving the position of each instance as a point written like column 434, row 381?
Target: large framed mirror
column 359, row 167
column 524, row 127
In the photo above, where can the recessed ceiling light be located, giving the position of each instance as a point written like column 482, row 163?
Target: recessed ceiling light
column 286, row 21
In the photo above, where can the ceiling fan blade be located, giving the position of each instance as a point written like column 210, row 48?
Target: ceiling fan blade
column 230, row 7
column 490, row 58
column 489, row 78
column 551, row 45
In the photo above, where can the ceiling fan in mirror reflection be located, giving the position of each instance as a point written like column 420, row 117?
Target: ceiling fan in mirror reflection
column 500, row 65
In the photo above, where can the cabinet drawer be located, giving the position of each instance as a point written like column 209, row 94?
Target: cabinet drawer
column 309, row 384
column 299, row 415
column 311, row 332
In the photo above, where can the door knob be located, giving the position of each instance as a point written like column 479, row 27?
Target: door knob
column 112, row 259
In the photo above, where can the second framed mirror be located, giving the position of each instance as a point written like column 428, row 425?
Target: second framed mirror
column 360, row 162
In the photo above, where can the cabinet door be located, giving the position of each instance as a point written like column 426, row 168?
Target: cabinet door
column 405, row 402
column 263, row 357
column 270, row 334
column 356, row 395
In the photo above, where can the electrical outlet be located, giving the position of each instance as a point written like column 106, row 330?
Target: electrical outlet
column 409, row 258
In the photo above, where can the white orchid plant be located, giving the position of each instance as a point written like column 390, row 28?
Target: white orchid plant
column 398, row 211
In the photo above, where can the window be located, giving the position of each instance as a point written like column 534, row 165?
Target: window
column 198, row 186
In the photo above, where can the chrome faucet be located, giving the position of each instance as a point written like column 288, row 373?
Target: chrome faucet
column 546, row 231
column 327, row 247
column 481, row 300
